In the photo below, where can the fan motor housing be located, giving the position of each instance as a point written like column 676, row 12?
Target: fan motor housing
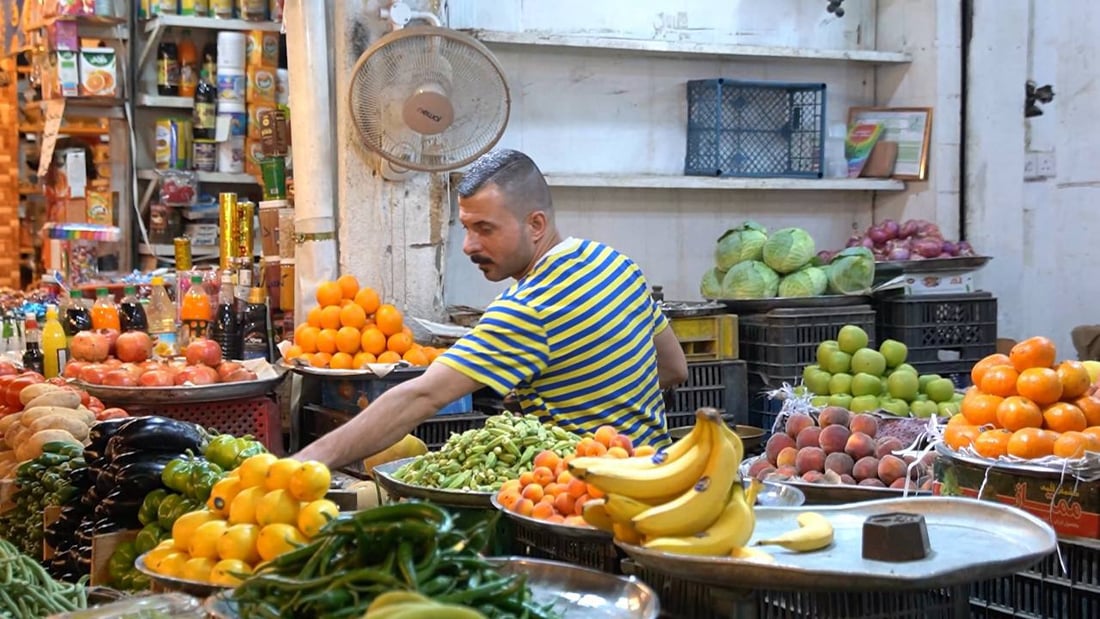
column 428, row 111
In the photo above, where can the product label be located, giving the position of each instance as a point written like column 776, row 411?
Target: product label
column 254, row 347
column 205, row 115
column 168, row 72
column 62, row 355
column 164, row 344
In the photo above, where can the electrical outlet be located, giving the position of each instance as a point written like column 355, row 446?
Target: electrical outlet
column 1031, row 165
column 1044, row 164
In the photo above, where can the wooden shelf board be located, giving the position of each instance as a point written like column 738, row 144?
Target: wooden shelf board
column 212, row 23
column 655, row 181
column 207, row 177
column 146, row 100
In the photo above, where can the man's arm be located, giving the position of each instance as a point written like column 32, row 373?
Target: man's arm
column 390, row 417
column 672, row 366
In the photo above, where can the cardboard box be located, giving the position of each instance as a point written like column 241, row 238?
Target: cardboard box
column 260, row 87
column 98, row 72
column 930, row 283
column 66, row 70
column 1072, row 507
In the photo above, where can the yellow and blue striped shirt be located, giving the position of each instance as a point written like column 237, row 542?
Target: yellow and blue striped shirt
column 574, row 338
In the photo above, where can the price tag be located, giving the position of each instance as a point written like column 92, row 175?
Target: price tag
column 55, row 111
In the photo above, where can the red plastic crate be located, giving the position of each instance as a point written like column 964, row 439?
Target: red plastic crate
column 258, row 417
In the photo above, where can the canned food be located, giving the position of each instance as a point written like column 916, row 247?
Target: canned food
column 183, row 253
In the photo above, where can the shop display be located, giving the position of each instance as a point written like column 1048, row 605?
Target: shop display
column 30, row 591
column 911, row 240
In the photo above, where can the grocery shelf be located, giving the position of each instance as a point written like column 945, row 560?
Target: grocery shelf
column 91, row 107
column 167, row 251
column 207, row 177
column 210, row 23
column 63, row 130
column 90, row 26
column 656, row 181
column 683, row 48
column 144, row 100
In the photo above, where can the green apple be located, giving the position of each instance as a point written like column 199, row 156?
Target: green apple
column 819, row 401
column 885, row 386
column 825, row 349
column 948, row 409
column 868, row 360
column 894, row 352
column 864, row 404
column 940, row 390
column 817, row 380
column 903, row 385
column 843, row 400
column 851, row 338
column 895, row 406
column 925, row 379
column 865, row 384
column 837, row 362
column 840, row 383
column 923, row 409
column 905, row 367
column 921, row 397
column 957, row 398
column 1093, row 368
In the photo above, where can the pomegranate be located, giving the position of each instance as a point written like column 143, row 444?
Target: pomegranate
column 89, row 346
column 225, row 368
column 93, row 374
column 119, row 378
column 134, row 346
column 134, row 369
column 240, row 375
column 112, row 363
column 203, row 351
column 8, row 368
column 95, row 404
column 112, row 339
column 72, row 368
column 156, row 378
column 197, row 375
column 57, row 380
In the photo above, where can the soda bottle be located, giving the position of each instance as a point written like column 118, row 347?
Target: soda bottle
column 77, row 317
column 105, row 312
column 32, row 355
column 161, row 316
column 130, row 312
column 55, row 352
column 226, row 330
column 195, row 312
column 256, row 341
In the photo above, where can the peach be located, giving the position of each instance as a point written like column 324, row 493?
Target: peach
column 766, row 472
column 865, row 468
column 777, row 476
column 798, row 422
column 886, row 445
column 873, row 482
column 813, row 477
column 859, row 445
column 776, row 443
column 834, row 438
column 808, row 437
column 761, row 463
column 833, row 415
column 899, row 484
column 848, row 479
column 622, row 441
column 786, row 457
column 810, row 459
column 926, row 483
column 867, row 424
column 891, row 468
column 839, row 462
column 789, row 471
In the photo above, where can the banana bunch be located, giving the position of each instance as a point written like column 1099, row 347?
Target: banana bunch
column 411, row 605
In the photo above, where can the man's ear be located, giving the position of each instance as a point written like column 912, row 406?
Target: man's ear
column 537, row 223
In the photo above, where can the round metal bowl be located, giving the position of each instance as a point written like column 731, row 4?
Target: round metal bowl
column 162, row 583
column 383, row 474
column 751, row 436
column 183, row 395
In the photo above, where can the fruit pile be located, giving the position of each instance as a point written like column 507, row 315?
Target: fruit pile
column 550, row 492
column 839, row 448
column 351, row 327
column 861, row 379
column 202, row 364
column 1028, row 405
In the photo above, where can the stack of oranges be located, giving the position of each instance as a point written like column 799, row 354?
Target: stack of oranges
column 550, row 492
column 1028, row 405
column 350, row 327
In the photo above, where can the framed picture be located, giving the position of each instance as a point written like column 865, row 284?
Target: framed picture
column 910, row 128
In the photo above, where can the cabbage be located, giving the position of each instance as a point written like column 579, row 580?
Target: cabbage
column 788, row 250
column 809, row 281
column 711, row 286
column 852, row 271
column 740, row 244
column 751, row 279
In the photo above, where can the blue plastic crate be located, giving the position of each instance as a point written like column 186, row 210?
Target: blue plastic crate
column 755, row 129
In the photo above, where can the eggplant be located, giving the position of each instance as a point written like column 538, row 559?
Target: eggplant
column 157, row 434
column 118, row 503
column 102, row 432
column 107, row 525
column 139, row 477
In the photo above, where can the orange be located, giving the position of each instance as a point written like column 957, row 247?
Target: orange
column 320, row 359
column 992, row 443
column 981, row 408
column 1015, row 412
column 1000, row 380
column 313, row 318
column 605, row 434
column 979, row 369
column 389, row 357
column 399, row 343
column 361, row 359
column 1074, row 378
column 1040, row 385
column 330, row 317
column 1090, row 406
column 389, row 319
column 373, row 341
column 1075, row 444
column 406, row 330
column 960, row 435
column 347, row 340
column 326, row 341
column 329, row 293
column 1064, row 417
column 431, row 352
column 341, row 361
column 351, row 315
column 292, row 352
column 415, row 356
column 1094, row 432
column 1031, row 443
column 349, row 286
column 1034, row 352
column 955, row 419
column 307, row 339
column 306, row 358
column 367, row 299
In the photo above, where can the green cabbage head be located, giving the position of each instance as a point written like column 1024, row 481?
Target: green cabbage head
column 751, row 279
column 740, row 244
column 711, row 286
column 788, row 250
column 809, row 281
column 852, row 271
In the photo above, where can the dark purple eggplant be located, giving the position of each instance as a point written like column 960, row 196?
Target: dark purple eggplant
column 157, row 434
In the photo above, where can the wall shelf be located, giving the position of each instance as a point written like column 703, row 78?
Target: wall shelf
column 164, row 250
column 655, row 181
column 207, row 177
column 210, row 23
column 683, row 48
column 144, row 100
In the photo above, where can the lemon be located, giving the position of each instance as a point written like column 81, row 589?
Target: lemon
column 221, row 495
column 316, row 514
column 239, row 543
column 155, row 555
column 310, row 481
column 277, row 507
column 278, row 476
column 185, row 526
column 198, row 568
column 223, row 572
column 243, row 508
column 171, row 564
column 277, row 539
column 253, row 471
column 204, row 541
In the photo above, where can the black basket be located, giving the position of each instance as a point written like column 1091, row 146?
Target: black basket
column 537, row 543
column 319, row 420
column 714, row 384
column 1045, row 590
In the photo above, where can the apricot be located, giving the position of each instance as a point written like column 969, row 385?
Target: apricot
column 865, row 468
column 926, row 483
column 786, row 457
column 833, row 415
column 810, row 459
column 867, row 424
column 808, row 437
column 776, row 443
column 765, row 472
column 759, row 465
column 859, row 445
column 798, row 422
column 872, row 481
column 891, row 468
column 839, row 462
column 813, row 477
column 848, row 479
column 833, row 438
column 886, row 445
column 899, row 484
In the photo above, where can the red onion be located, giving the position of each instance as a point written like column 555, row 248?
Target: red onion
column 854, row 241
column 867, row 242
column 898, row 253
column 964, row 249
column 907, row 229
column 892, row 229
column 945, row 255
column 826, row 256
column 928, row 248
column 950, row 248
column 877, row 234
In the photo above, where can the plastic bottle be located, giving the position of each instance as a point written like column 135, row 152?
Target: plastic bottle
column 256, row 340
column 130, row 312
column 225, row 329
column 195, row 312
column 161, row 315
column 55, row 352
column 105, row 312
column 77, row 318
column 32, row 353
column 168, row 69
column 189, row 65
column 204, row 114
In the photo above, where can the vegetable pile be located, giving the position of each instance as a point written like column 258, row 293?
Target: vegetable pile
column 482, row 459
column 26, row 590
column 359, row 558
column 915, row 239
column 42, row 481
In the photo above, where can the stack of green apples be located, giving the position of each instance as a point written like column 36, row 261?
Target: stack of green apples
column 861, row 379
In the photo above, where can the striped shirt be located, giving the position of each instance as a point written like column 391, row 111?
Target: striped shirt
column 574, row 339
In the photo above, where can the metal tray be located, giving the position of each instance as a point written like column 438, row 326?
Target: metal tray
column 167, row 583
column 1084, row 469
column 837, row 494
column 399, row 370
column 383, row 474
column 764, row 305
column 687, row 309
column 891, row 268
column 183, row 395
column 971, row 541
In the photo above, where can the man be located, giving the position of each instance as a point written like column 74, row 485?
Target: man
column 577, row 336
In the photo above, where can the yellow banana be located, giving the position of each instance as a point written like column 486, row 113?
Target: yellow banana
column 732, row 529
column 734, row 440
column 814, row 532
column 672, row 477
column 595, row 513
column 579, row 466
column 700, row 506
column 749, row 553
column 622, row 508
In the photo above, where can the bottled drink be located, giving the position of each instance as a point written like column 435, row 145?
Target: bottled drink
column 255, row 321
column 105, row 312
column 32, row 353
column 189, row 65
column 161, row 316
column 77, row 317
column 130, row 312
column 226, row 328
column 204, row 116
column 55, row 352
column 13, row 334
column 195, row 312
column 168, row 69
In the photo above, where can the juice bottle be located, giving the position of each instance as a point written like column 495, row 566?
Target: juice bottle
column 77, row 317
column 32, row 354
column 105, row 312
column 195, row 312
column 55, row 353
column 189, row 65
column 130, row 312
column 161, row 316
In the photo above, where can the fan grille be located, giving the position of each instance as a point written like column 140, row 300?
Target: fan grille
column 405, row 60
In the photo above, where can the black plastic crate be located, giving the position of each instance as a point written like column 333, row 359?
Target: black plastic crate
column 541, row 543
column 940, row 328
column 1045, row 590
column 957, row 371
column 779, row 344
column 863, row 605
column 715, row 384
column 318, row 420
column 763, row 412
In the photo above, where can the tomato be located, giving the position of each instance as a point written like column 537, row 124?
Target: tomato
column 95, row 404
column 111, row 413
column 11, row 393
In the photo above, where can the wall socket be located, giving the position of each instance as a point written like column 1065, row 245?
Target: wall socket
column 1039, row 165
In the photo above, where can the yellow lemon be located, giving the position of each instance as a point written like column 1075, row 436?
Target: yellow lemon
column 277, row 507
column 316, row 514
column 204, row 541
column 222, row 494
column 239, row 543
column 223, row 572
column 155, row 555
column 277, row 539
column 171, row 564
column 198, row 568
column 243, row 508
column 278, row 476
column 185, row 526
column 253, row 471
column 310, row 481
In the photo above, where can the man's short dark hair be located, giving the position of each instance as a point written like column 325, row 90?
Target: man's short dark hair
column 515, row 174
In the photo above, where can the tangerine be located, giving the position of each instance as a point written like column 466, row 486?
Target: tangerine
column 1064, row 417
column 320, row 359
column 981, row 408
column 351, row 315
column 389, row 357
column 389, row 319
column 1074, row 378
column 1034, row 352
column 960, row 435
column 416, row 356
column 362, row 359
column 326, row 341
column 307, row 339
column 1040, row 385
column 367, row 299
column 329, row 293
column 373, row 341
column 1090, row 406
column 992, row 443
column 313, row 318
column 1030, row 443
column 1000, row 380
column 330, row 317
column 341, row 361
column 1093, row 431
column 399, row 343
column 979, row 369
column 349, row 286
column 292, row 351
column 347, row 340
column 1015, row 412
column 1075, row 444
